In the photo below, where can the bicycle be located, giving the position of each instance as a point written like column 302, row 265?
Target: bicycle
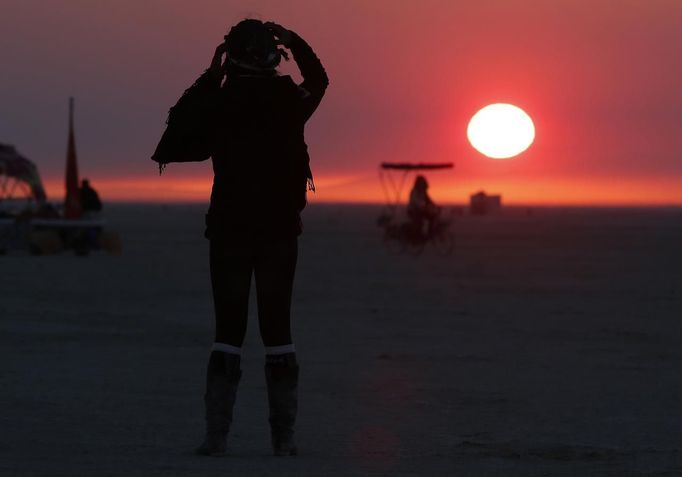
column 408, row 237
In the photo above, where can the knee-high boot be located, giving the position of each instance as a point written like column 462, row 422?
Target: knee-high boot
column 281, row 374
column 222, row 379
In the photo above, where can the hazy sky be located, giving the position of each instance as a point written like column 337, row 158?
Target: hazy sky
column 602, row 80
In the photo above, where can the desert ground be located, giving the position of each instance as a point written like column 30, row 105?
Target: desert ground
column 548, row 343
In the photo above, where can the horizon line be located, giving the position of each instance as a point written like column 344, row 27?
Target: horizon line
column 442, row 203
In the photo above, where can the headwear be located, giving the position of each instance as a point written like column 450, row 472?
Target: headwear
column 252, row 46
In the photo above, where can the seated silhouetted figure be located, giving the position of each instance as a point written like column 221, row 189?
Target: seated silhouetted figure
column 90, row 201
column 421, row 208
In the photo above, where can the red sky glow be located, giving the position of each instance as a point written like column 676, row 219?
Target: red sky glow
column 601, row 80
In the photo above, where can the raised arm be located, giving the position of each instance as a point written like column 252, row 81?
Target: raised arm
column 315, row 79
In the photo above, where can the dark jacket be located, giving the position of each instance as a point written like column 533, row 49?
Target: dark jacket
column 255, row 136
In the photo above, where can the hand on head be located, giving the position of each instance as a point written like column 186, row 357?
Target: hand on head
column 217, row 63
column 282, row 35
column 253, row 45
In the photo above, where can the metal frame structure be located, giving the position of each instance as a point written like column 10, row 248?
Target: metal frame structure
column 393, row 188
column 19, row 178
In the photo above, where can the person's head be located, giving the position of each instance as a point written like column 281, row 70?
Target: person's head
column 420, row 183
column 251, row 47
column 85, row 183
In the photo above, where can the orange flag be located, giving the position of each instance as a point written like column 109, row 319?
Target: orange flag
column 72, row 203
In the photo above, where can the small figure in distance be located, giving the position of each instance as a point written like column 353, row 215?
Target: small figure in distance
column 251, row 124
column 421, row 208
column 90, row 201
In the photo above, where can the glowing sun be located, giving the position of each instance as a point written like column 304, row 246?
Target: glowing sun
column 501, row 131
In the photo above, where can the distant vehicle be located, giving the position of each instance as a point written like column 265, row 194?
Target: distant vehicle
column 400, row 233
column 29, row 222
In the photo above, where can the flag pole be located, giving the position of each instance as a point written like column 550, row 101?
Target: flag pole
column 72, row 205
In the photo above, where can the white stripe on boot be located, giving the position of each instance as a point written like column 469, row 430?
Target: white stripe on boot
column 226, row 348
column 284, row 349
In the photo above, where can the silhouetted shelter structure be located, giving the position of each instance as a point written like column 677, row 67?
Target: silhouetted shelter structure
column 481, row 203
column 19, row 177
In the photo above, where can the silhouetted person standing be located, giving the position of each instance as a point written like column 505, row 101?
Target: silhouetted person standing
column 262, row 174
column 421, row 208
column 90, row 201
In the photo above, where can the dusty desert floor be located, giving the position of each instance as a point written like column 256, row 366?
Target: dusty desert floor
column 546, row 344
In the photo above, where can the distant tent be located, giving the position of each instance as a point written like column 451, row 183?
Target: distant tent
column 16, row 173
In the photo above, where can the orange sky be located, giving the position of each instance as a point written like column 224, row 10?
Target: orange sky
column 600, row 79
column 358, row 188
